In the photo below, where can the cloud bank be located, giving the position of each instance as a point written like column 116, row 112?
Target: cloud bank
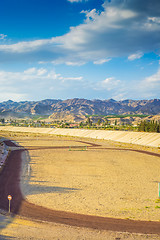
column 22, row 85
column 124, row 28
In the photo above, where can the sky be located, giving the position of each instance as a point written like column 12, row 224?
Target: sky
column 93, row 49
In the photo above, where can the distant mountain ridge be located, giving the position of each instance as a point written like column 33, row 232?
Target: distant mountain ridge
column 80, row 107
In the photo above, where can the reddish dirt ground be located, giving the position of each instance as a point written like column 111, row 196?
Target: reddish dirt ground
column 10, row 185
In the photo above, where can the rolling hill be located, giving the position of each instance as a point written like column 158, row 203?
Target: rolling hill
column 79, row 107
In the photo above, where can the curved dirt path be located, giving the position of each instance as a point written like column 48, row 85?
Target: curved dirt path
column 10, row 185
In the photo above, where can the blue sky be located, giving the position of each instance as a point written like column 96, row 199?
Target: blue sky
column 94, row 49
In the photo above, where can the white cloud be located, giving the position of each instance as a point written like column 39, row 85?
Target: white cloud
column 110, row 83
column 41, row 71
column 146, row 88
column 30, row 71
column 134, row 56
column 101, row 61
column 71, row 78
column 2, row 36
column 155, row 78
column 24, row 47
column 72, row 1
column 121, row 29
column 155, row 19
column 91, row 15
column 107, row 84
column 107, row 80
column 149, row 87
column 119, row 97
column 4, row 96
column 24, row 85
column 33, row 73
column 69, row 63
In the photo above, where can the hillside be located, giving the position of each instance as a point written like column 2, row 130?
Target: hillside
column 79, row 107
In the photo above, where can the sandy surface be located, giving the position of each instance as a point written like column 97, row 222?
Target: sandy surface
column 18, row 228
column 101, row 182
column 117, row 182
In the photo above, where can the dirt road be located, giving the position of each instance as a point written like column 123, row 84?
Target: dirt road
column 10, row 185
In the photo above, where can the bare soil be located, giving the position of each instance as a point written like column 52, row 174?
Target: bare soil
column 97, row 180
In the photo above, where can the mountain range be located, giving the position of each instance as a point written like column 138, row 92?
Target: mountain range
column 79, row 107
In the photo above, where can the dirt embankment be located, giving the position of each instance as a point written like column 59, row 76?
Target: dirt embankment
column 140, row 138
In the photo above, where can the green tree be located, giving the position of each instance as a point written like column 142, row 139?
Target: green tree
column 149, row 126
column 2, row 120
column 89, row 122
column 81, row 125
column 99, row 121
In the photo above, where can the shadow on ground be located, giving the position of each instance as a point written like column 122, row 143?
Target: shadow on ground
column 2, row 237
column 37, row 189
column 4, row 221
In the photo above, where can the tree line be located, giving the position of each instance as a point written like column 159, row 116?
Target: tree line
column 152, row 126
